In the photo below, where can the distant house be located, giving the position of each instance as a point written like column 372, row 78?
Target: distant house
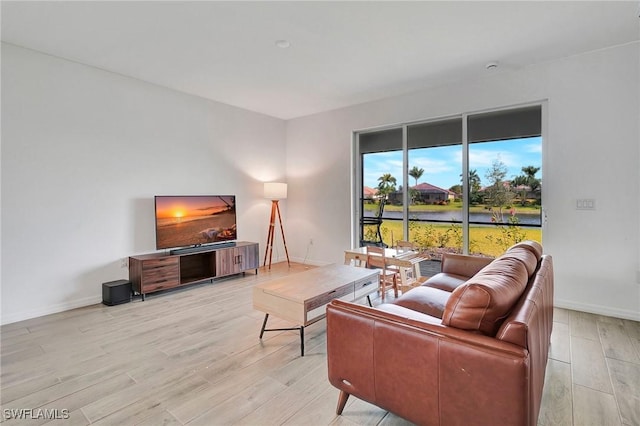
column 518, row 191
column 505, row 184
column 369, row 193
column 431, row 194
column 425, row 193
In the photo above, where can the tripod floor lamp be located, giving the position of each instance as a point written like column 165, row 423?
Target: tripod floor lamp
column 275, row 192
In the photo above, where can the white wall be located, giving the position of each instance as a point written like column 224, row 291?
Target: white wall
column 83, row 153
column 592, row 151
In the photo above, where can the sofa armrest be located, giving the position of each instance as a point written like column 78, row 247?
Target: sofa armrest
column 410, row 364
column 460, row 264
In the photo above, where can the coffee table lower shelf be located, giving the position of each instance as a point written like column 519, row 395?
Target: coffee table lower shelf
column 302, row 298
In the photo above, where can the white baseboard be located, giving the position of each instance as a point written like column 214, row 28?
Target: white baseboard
column 598, row 309
column 93, row 300
column 61, row 307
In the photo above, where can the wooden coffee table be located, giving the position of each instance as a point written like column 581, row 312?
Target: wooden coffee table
column 302, row 298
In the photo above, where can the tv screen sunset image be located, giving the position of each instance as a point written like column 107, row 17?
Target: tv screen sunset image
column 193, row 220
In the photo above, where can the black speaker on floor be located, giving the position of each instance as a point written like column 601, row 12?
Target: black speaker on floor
column 116, row 292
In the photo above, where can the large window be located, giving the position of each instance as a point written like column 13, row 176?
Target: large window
column 381, row 192
column 435, row 172
column 449, row 190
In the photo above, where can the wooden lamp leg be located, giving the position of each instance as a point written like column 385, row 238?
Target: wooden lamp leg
column 275, row 207
column 269, row 248
column 282, row 230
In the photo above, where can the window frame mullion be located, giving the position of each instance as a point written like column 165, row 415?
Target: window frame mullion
column 405, row 183
column 465, row 185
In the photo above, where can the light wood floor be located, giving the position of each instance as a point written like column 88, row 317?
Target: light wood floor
column 193, row 357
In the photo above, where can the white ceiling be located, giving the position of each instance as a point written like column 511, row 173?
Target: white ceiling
column 341, row 54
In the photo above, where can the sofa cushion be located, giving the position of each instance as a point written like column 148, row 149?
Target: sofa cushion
column 445, row 281
column 482, row 303
column 428, row 300
column 464, row 265
column 527, row 257
column 532, row 246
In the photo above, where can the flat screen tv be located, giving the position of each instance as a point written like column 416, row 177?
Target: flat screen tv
column 194, row 220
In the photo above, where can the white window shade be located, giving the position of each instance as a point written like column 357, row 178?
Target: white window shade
column 505, row 124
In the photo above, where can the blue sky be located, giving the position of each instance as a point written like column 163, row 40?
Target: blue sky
column 442, row 165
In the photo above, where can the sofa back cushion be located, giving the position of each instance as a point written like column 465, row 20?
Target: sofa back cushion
column 527, row 257
column 485, row 300
column 533, row 246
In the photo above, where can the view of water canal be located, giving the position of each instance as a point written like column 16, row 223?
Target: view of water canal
column 456, row 216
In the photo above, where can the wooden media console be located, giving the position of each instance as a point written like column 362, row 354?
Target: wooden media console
column 161, row 271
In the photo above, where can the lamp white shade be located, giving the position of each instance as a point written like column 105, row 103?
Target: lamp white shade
column 275, row 190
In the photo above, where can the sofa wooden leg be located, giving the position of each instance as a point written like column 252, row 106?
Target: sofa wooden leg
column 342, row 401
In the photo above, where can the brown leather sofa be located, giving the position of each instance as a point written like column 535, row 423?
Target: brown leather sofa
column 469, row 347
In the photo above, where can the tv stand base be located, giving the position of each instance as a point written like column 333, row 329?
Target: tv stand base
column 161, row 271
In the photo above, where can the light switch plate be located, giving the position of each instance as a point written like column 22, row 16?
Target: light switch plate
column 585, row 204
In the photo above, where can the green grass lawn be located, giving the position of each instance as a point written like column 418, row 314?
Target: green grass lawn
column 486, row 240
column 451, row 207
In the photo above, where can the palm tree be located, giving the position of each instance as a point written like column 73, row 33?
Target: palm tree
column 527, row 182
column 530, row 173
column 520, row 185
column 474, row 186
column 416, row 173
column 387, row 184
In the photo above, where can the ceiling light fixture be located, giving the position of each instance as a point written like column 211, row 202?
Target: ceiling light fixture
column 491, row 65
column 283, row 44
